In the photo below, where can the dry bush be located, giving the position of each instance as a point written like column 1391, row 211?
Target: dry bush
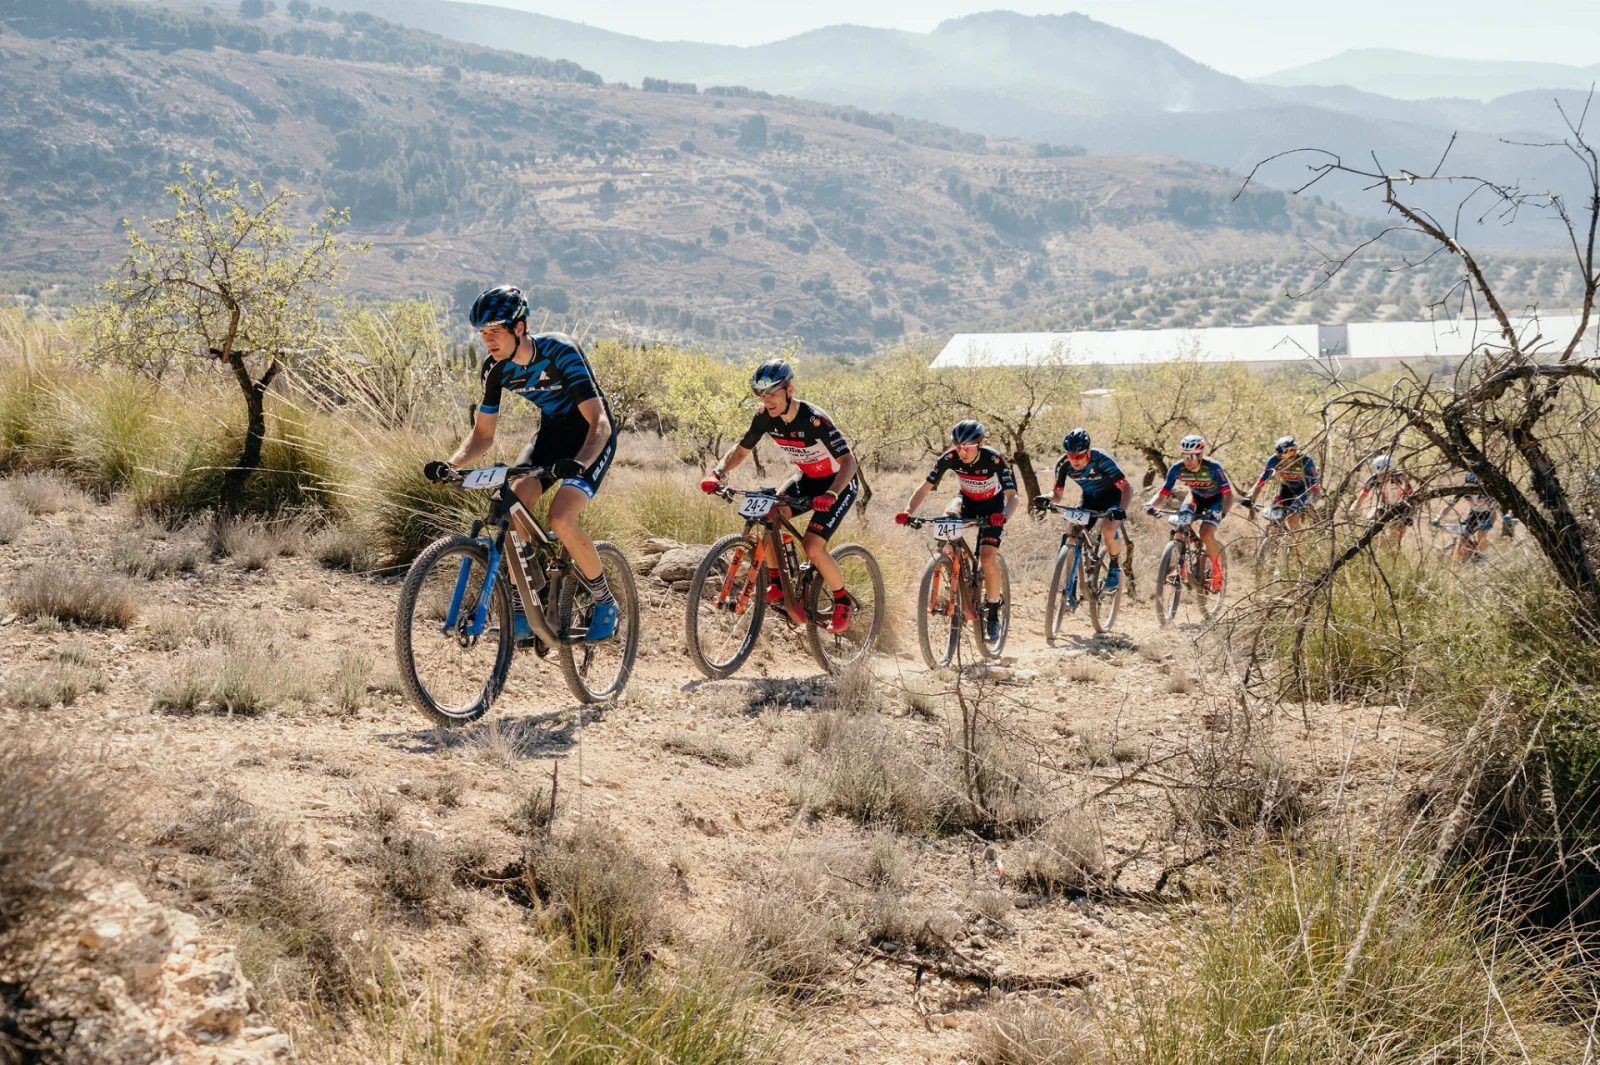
column 13, row 519
column 171, row 626
column 56, row 810
column 295, row 939
column 1063, row 858
column 1180, row 683
column 866, row 771
column 251, row 544
column 60, row 686
column 793, row 947
column 448, row 790
column 45, row 493
column 345, row 547
column 1033, row 1033
column 244, row 681
column 1233, row 791
column 1087, row 671
column 73, row 597
column 855, row 691
column 534, row 814
column 1154, row 651
column 708, row 747
column 408, row 867
column 308, row 596
column 348, row 683
column 1096, row 748
column 596, row 889
column 994, row 905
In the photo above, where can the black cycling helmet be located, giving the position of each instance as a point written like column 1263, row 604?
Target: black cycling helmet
column 1472, row 478
column 501, row 305
column 1076, row 442
column 771, row 374
column 1284, row 444
column 967, row 431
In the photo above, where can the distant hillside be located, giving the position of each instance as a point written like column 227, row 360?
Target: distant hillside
column 733, row 219
column 1410, row 76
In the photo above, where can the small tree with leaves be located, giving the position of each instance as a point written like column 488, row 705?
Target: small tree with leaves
column 227, row 278
column 1023, row 407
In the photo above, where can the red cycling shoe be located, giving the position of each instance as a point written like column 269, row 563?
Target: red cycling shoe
column 843, row 611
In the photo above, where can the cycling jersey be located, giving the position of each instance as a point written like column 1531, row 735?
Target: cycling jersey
column 811, row 441
column 557, row 378
column 1297, row 475
column 984, row 478
column 1099, row 473
column 1392, row 488
column 1207, row 483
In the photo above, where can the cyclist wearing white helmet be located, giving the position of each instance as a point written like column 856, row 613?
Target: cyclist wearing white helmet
column 825, row 484
column 1391, row 489
column 988, row 491
column 1210, row 496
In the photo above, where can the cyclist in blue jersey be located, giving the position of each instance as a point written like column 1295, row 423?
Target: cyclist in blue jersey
column 1479, row 519
column 576, row 439
column 1103, row 487
column 988, row 492
column 1298, row 483
column 1210, row 496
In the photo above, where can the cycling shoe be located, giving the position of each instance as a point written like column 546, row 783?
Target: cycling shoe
column 603, row 623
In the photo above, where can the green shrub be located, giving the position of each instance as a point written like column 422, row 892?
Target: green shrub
column 406, row 510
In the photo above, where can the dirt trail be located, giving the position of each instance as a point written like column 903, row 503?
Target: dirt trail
column 723, row 828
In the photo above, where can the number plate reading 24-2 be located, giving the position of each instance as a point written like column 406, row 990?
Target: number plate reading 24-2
column 1076, row 516
column 755, row 507
column 947, row 528
column 492, row 477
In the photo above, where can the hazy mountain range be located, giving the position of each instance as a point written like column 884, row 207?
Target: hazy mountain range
column 1412, row 76
column 1070, row 79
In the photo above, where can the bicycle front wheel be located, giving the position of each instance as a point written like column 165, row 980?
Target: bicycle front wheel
column 1103, row 605
column 726, row 602
column 1169, row 582
column 979, row 631
column 939, row 613
column 599, row 669
column 1056, row 607
column 837, row 651
column 449, row 673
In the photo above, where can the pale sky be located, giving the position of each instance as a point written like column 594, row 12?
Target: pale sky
column 1243, row 37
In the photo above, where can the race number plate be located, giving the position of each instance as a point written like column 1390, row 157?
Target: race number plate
column 1275, row 513
column 493, row 477
column 1180, row 519
column 1076, row 516
column 1455, row 530
column 947, row 528
column 755, row 507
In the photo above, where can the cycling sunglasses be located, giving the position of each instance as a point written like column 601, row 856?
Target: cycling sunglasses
column 1078, row 455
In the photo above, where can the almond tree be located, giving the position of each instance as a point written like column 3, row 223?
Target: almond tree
column 227, row 278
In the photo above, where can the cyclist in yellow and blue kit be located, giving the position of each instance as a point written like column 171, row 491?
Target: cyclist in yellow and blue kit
column 1299, row 485
column 1210, row 496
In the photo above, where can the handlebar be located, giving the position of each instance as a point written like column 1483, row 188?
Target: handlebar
column 1042, row 504
column 729, row 493
column 966, row 523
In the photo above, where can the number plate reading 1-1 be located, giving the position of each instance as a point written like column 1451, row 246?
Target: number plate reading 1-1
column 756, row 506
column 1076, row 516
column 1275, row 514
column 1179, row 520
column 947, row 528
column 493, row 477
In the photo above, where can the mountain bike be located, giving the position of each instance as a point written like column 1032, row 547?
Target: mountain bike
column 1276, row 538
column 456, row 625
column 952, row 595
column 1185, row 565
column 1080, row 574
column 728, row 592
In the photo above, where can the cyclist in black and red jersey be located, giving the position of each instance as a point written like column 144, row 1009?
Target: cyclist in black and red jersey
column 825, row 485
column 988, row 492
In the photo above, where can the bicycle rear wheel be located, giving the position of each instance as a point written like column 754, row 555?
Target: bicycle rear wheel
column 836, row 652
column 1055, row 604
column 453, row 676
column 599, row 670
column 939, row 613
column 1103, row 606
column 726, row 603
column 979, row 635
column 1169, row 582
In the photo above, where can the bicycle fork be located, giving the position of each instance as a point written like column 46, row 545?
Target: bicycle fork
column 532, row 605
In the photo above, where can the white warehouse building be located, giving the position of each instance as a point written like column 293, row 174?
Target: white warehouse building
column 1356, row 348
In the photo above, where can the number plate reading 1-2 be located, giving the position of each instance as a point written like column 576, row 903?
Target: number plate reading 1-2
column 493, row 477
column 756, row 506
column 947, row 528
column 1180, row 520
column 1076, row 516
column 1275, row 514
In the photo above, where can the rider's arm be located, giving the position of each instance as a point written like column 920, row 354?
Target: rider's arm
column 1061, row 479
column 1127, row 493
column 1266, row 475
column 478, row 441
column 1166, row 489
column 1008, row 485
column 918, row 496
column 837, row 446
column 599, row 431
column 1011, row 502
column 740, row 451
column 846, row 474
column 1228, row 497
column 1313, row 479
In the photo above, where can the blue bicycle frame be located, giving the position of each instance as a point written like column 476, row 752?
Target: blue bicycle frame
column 480, row 613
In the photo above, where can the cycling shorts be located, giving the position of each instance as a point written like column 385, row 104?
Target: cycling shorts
column 1482, row 520
column 1210, row 513
column 981, row 509
column 1293, row 497
column 808, row 488
column 562, row 438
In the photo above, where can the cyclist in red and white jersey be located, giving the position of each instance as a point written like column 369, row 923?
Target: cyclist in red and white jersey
column 825, row 485
column 1391, row 489
column 988, row 493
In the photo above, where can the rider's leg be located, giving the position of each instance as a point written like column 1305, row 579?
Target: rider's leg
column 817, row 551
column 1111, row 536
column 529, row 491
column 564, row 510
column 1208, row 536
column 989, row 559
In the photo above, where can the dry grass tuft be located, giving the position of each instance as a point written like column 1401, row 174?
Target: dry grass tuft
column 1063, row 858
column 1247, row 794
column 409, row 868
column 73, row 598
column 14, row 517
column 348, row 683
column 794, row 948
column 60, row 686
column 148, row 553
column 596, row 889
column 708, row 747
column 253, row 545
column 1087, row 671
column 345, row 547
column 1033, row 1033
column 243, row 681
column 1180, row 683
column 45, row 493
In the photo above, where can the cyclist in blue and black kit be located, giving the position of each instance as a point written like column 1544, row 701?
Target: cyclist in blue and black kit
column 1210, row 496
column 988, row 493
column 1298, row 484
column 575, row 442
column 1104, row 489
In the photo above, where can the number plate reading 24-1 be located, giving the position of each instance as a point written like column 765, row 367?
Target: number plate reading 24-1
column 947, row 528
column 756, row 507
column 492, row 477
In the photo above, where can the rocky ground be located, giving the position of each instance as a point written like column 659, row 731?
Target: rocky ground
column 712, row 782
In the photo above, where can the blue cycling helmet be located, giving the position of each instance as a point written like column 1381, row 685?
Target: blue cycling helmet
column 771, row 374
column 967, row 431
column 502, row 305
column 1284, row 443
column 1472, row 478
column 1076, row 442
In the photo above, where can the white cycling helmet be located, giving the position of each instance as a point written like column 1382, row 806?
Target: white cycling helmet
column 1381, row 463
column 1193, row 444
